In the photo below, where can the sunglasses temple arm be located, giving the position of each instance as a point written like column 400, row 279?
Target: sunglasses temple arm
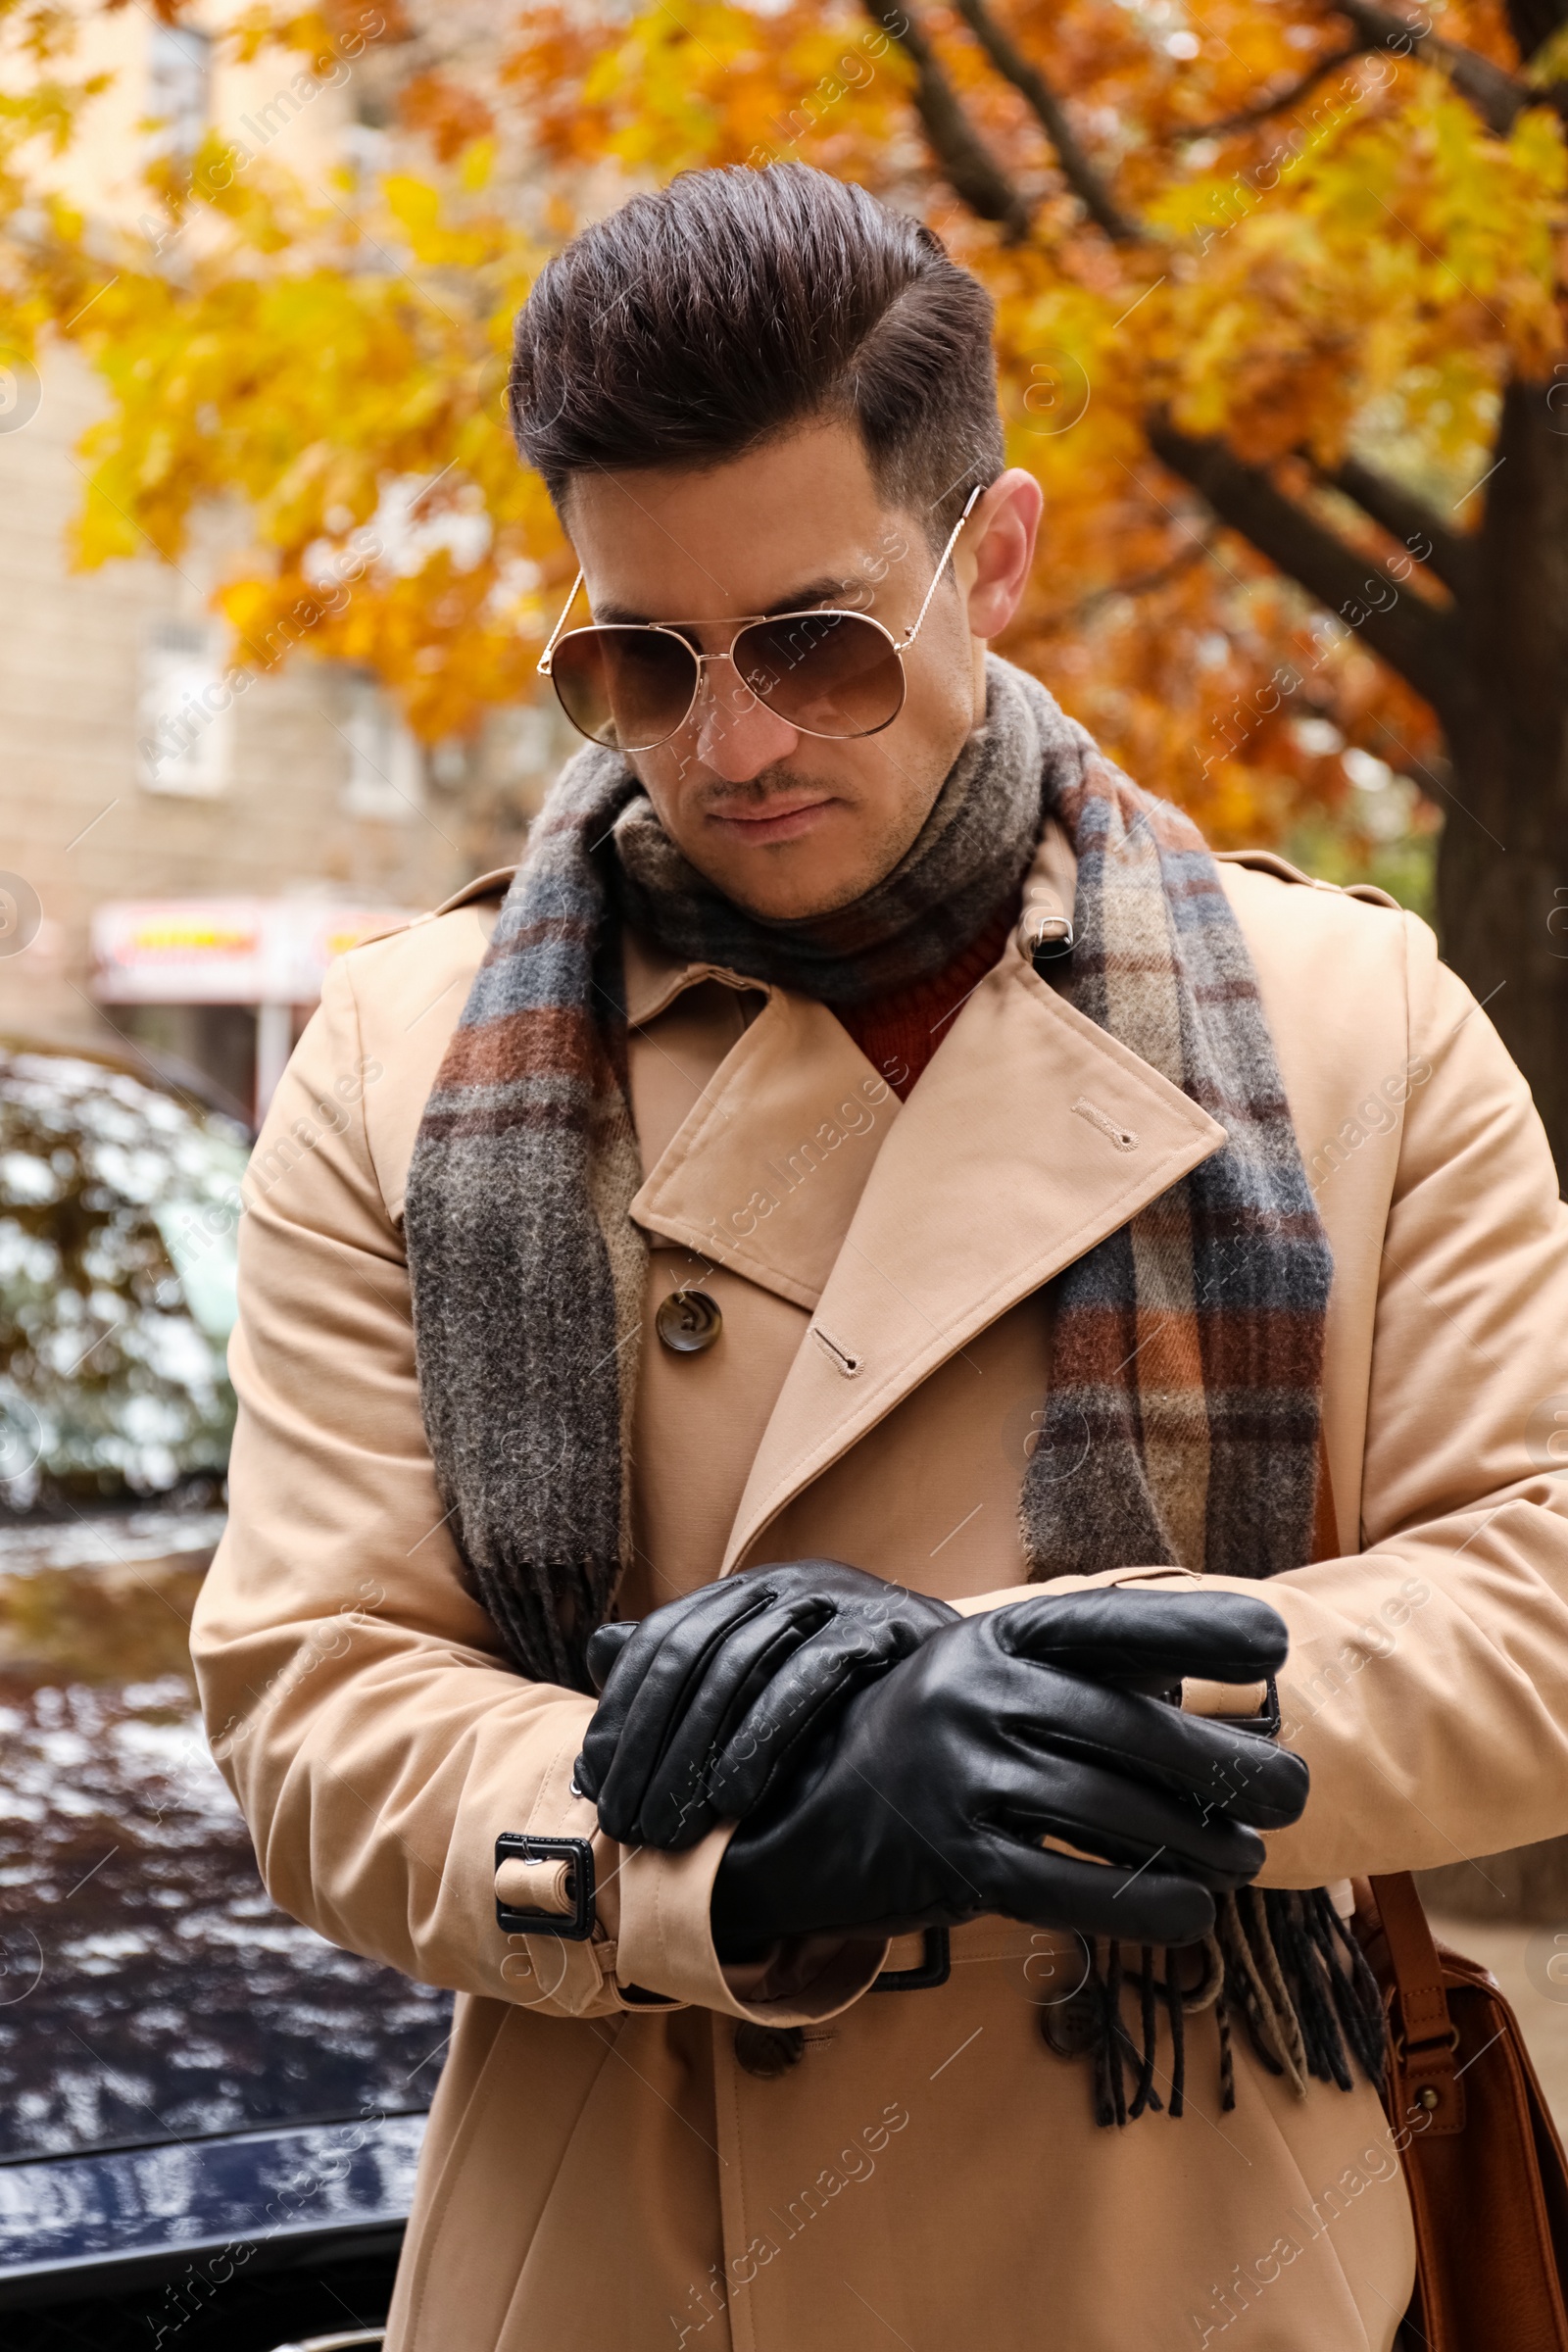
column 543, row 666
column 970, row 504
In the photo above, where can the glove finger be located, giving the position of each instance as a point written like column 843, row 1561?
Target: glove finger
column 1129, row 1822
column 1229, row 1771
column 1153, row 1905
column 604, row 1645
column 647, row 1690
column 638, row 1642
column 805, row 1598
column 677, row 1807
column 1252, row 1780
column 825, row 1671
column 834, row 1581
column 1117, row 1633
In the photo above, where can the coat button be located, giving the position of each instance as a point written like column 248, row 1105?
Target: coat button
column 688, row 1321
column 768, row 2051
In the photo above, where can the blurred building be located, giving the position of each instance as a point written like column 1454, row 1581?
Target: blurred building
column 156, row 815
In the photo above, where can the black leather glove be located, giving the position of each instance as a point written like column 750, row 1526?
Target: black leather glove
column 924, row 1804
column 679, row 1740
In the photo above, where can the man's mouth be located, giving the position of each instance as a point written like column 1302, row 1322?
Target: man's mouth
column 784, row 817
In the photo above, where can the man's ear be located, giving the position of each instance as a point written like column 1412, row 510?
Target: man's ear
column 997, row 549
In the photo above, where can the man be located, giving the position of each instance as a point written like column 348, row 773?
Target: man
column 973, row 1280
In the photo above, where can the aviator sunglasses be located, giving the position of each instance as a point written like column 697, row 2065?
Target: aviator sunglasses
column 630, row 685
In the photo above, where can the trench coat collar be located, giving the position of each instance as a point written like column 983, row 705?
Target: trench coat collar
column 1031, row 1136
column 908, row 1228
column 765, row 1174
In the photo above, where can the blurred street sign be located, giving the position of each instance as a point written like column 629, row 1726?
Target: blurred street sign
column 225, row 951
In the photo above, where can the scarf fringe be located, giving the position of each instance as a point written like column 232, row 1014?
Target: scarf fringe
column 1280, row 1962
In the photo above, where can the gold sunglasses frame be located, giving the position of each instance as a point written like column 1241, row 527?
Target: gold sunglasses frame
column 752, row 620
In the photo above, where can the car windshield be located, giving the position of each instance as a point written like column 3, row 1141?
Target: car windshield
column 149, row 1989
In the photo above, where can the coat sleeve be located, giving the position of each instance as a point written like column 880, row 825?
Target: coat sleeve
column 1427, row 1685
column 354, row 1690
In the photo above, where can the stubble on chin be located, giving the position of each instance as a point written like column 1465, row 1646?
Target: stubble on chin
column 762, row 879
column 776, row 883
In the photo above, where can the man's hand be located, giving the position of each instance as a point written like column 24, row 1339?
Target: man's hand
column 926, row 1803
column 707, row 1699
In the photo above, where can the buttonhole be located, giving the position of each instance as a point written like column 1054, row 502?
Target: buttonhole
column 1122, row 1137
column 846, row 1363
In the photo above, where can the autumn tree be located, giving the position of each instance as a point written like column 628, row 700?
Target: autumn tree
column 1280, row 310
column 1281, row 301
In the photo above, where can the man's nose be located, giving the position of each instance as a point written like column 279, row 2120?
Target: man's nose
column 737, row 736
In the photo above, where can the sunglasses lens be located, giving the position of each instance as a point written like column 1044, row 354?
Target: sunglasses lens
column 831, row 673
column 626, row 688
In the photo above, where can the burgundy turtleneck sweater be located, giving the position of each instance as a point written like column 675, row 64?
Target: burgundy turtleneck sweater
column 899, row 1032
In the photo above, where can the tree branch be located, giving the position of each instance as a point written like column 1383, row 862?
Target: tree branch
column 1249, row 115
column 1145, row 583
column 1534, row 21
column 1499, row 97
column 1078, row 171
column 1410, row 518
column 1421, row 641
column 967, row 161
column 1423, row 644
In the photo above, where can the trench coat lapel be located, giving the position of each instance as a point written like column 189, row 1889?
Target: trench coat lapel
column 1032, row 1134
column 765, row 1174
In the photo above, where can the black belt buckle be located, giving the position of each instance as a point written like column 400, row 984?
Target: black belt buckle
column 1266, row 1723
column 935, row 1969
column 574, row 1927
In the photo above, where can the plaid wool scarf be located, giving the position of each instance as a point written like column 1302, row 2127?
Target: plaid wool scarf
column 1182, row 1423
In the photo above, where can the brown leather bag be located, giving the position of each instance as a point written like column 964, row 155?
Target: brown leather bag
column 1483, row 2163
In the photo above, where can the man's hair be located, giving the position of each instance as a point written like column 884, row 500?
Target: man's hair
column 738, row 305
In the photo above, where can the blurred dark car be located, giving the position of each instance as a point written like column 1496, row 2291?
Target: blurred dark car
column 209, row 2116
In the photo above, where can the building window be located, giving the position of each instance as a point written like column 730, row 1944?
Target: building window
column 386, row 770
column 184, row 730
column 179, row 74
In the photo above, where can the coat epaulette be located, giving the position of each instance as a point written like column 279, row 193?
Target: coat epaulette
column 1269, row 861
column 493, row 885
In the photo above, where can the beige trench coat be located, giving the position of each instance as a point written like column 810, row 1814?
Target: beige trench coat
column 600, row 2174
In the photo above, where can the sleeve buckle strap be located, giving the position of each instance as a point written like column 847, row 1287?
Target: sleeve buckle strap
column 935, row 1968
column 1266, row 1722
column 545, row 1885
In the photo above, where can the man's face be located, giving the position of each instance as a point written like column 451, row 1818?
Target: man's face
column 786, row 823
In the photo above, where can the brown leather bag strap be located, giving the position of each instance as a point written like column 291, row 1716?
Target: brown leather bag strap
column 1424, row 2036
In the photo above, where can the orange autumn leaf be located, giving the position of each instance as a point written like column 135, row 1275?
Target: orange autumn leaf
column 448, row 114
column 1351, row 274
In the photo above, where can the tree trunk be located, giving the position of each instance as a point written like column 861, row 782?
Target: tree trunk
column 1502, row 861
column 1494, row 666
